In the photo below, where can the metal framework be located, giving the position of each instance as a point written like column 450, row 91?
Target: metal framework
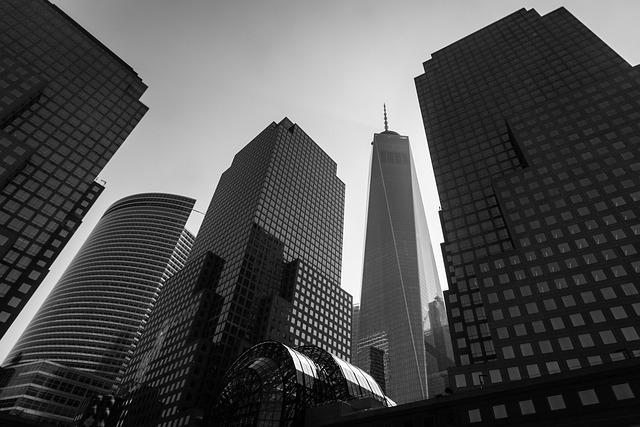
column 271, row 385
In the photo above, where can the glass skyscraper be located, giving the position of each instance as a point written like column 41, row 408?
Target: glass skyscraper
column 534, row 133
column 399, row 277
column 94, row 316
column 66, row 104
column 265, row 266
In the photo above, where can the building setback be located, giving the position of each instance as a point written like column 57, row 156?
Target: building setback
column 95, row 313
column 399, row 277
column 265, row 266
column 66, row 105
column 534, row 133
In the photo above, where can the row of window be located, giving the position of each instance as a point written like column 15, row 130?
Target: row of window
column 553, row 402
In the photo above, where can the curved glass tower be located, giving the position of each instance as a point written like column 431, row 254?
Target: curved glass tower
column 95, row 313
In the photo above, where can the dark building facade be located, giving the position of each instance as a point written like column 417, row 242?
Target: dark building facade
column 95, row 314
column 595, row 396
column 355, row 322
column 66, row 105
column 533, row 129
column 399, row 276
column 265, row 266
column 46, row 392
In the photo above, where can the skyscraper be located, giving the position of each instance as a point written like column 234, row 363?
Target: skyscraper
column 66, row 104
column 95, row 313
column 532, row 124
column 399, row 276
column 265, row 266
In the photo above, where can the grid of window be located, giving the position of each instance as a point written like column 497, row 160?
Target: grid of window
column 534, row 148
column 47, row 390
column 67, row 104
column 265, row 266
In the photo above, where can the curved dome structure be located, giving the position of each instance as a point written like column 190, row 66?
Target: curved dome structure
column 272, row 384
column 96, row 310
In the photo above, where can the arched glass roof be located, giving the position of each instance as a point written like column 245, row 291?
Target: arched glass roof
column 273, row 384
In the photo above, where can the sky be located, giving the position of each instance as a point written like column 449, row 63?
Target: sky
column 220, row 71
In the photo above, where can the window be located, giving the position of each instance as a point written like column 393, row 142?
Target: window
column 587, row 297
column 630, row 333
column 556, row 402
column 461, row 380
column 607, row 337
column 586, row 340
column 507, row 352
column 545, row 346
column 526, row 349
column 588, row 397
column 526, row 407
column 597, row 316
column 622, row 391
column 594, row 360
column 532, row 308
column 557, row 323
column 544, row 287
column 553, row 367
column 520, row 329
column 495, row 375
column 538, row 326
column 573, row 364
column 499, row 411
column 565, row 343
column 514, row 373
column 474, row 416
column 618, row 312
column 533, row 371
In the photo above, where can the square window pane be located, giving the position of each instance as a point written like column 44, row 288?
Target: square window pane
column 556, row 402
column 588, row 397
column 500, row 411
column 622, row 391
column 526, row 407
column 474, row 416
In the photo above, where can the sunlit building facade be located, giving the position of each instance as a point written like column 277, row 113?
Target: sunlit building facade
column 533, row 130
column 94, row 316
column 265, row 266
column 399, row 276
column 66, row 105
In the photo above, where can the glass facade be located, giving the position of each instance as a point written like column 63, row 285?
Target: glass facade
column 272, row 384
column 532, row 124
column 265, row 266
column 66, row 105
column 95, row 313
column 399, row 277
column 46, row 392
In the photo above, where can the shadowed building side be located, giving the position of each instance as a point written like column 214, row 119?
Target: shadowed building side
column 265, row 266
column 67, row 103
column 533, row 129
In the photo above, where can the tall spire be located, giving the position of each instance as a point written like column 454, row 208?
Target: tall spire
column 386, row 124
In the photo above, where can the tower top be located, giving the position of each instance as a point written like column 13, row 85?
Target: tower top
column 386, row 124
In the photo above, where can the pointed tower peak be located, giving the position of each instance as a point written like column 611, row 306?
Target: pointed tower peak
column 386, row 124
